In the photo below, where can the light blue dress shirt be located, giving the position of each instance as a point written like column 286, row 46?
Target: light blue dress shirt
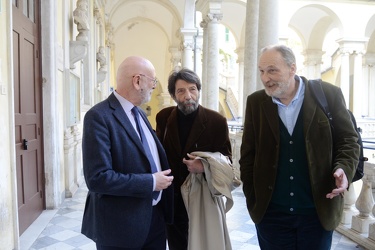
column 289, row 113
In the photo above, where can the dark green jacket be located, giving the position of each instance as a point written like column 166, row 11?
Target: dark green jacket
column 260, row 151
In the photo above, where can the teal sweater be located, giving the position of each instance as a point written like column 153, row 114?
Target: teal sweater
column 292, row 193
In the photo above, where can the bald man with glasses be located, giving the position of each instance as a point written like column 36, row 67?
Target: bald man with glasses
column 125, row 167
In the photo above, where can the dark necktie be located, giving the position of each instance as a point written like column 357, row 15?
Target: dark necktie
column 145, row 146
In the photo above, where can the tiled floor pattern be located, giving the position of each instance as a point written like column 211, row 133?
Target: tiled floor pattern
column 60, row 229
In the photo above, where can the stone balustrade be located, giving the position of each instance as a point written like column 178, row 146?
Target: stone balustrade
column 358, row 222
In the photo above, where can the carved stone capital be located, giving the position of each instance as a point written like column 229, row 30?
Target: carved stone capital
column 214, row 17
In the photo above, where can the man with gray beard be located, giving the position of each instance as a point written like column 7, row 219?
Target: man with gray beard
column 183, row 129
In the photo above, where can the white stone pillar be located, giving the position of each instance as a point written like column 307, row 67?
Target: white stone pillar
column 213, row 62
column 240, row 61
column 369, row 77
column 371, row 102
column 268, row 29
column 358, row 85
column 268, row 22
column 349, row 46
column 250, row 50
column 368, row 63
column 188, row 47
column 313, row 62
column 203, row 99
column 345, row 77
column 52, row 132
column 198, row 53
column 211, row 13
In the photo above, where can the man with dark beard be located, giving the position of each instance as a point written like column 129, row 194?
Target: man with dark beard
column 184, row 129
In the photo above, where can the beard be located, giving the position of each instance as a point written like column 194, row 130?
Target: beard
column 278, row 92
column 145, row 95
column 188, row 107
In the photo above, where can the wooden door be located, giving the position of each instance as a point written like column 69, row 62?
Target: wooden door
column 28, row 111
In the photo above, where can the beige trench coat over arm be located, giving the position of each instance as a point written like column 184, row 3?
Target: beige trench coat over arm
column 203, row 197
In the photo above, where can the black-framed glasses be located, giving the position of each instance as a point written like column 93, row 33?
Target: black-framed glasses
column 153, row 80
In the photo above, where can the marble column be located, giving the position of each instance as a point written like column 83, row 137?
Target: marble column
column 198, row 53
column 203, row 99
column 53, row 151
column 268, row 28
column 345, row 77
column 188, row 47
column 313, row 62
column 213, row 62
column 240, row 61
column 250, row 51
column 369, row 77
column 358, row 85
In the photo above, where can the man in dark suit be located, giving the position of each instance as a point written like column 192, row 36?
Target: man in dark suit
column 294, row 169
column 128, row 203
column 183, row 129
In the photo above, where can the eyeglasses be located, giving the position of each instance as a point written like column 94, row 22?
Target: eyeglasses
column 153, row 80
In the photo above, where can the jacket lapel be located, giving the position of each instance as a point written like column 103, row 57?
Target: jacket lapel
column 120, row 115
column 269, row 109
column 172, row 131
column 309, row 109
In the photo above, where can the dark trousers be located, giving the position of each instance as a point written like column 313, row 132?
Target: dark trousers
column 292, row 232
column 177, row 233
column 156, row 239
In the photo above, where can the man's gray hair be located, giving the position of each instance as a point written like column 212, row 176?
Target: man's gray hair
column 285, row 51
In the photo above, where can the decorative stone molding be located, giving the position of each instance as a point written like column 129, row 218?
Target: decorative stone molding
column 77, row 51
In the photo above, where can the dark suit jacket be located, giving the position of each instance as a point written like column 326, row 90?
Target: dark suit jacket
column 209, row 133
column 260, row 151
column 118, row 175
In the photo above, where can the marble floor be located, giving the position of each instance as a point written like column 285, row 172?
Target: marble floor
column 60, row 229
